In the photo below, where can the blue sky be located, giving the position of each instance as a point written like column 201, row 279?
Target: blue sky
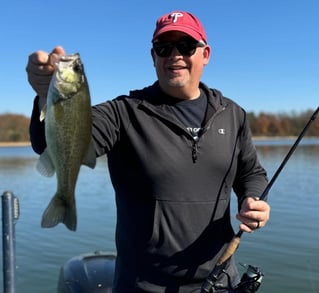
column 265, row 54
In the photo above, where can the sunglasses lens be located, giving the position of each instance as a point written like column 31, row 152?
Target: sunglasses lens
column 184, row 47
column 163, row 49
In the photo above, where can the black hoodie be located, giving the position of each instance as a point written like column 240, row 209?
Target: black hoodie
column 172, row 192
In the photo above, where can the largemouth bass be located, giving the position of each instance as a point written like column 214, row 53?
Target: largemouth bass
column 67, row 117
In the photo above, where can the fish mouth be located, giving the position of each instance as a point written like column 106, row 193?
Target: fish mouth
column 70, row 57
column 69, row 75
column 70, row 69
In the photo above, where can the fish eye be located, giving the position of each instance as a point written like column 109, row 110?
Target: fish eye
column 77, row 67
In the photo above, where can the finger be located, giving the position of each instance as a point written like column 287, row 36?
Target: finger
column 258, row 211
column 39, row 57
column 39, row 74
column 257, row 224
column 41, row 62
column 58, row 50
column 245, row 228
column 55, row 55
column 40, row 68
column 250, row 224
column 37, row 63
column 250, row 227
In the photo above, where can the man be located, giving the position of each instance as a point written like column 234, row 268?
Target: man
column 175, row 151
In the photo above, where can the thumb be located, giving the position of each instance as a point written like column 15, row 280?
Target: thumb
column 58, row 50
column 55, row 55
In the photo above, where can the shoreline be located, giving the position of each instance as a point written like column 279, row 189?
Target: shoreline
column 255, row 138
column 14, row 143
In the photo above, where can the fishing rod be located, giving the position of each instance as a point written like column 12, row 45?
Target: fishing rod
column 234, row 243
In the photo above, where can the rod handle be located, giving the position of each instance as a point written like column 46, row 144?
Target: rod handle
column 231, row 248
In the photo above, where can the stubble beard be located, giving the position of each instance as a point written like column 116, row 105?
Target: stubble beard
column 177, row 82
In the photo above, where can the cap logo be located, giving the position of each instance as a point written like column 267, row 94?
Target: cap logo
column 176, row 15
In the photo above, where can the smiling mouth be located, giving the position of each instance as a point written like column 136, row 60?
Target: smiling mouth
column 176, row 68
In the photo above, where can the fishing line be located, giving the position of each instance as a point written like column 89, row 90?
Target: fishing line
column 234, row 243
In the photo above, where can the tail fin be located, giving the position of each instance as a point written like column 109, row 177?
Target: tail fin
column 60, row 211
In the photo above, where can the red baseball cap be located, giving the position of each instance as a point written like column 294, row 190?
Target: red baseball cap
column 180, row 21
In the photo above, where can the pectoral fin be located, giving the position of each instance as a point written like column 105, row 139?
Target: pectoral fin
column 45, row 165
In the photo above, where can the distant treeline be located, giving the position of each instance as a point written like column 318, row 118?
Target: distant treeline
column 15, row 128
column 282, row 124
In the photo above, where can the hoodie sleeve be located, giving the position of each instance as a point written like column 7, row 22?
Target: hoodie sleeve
column 36, row 129
column 251, row 178
column 106, row 123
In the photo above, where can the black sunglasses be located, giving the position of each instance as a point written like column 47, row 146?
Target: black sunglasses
column 185, row 47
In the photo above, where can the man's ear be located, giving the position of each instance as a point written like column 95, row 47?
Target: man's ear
column 206, row 54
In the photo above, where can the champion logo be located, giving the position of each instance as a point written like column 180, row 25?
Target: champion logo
column 176, row 15
column 221, row 131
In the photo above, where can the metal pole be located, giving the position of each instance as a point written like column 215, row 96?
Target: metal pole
column 10, row 213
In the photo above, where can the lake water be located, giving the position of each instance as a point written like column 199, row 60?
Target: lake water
column 287, row 249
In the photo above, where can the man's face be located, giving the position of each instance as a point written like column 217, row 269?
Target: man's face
column 179, row 74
